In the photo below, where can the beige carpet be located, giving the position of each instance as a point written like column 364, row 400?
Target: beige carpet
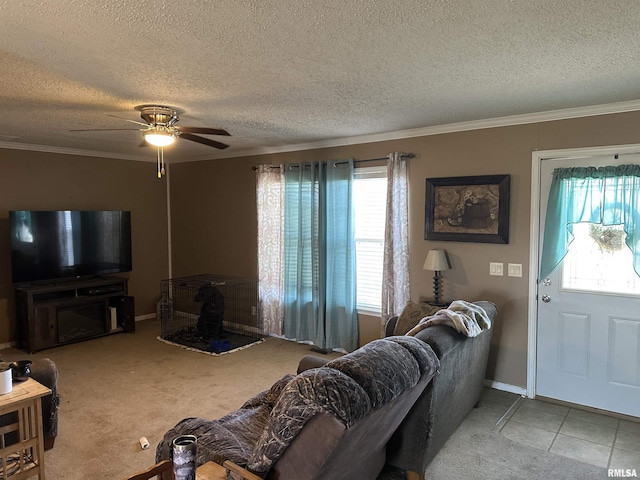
column 119, row 388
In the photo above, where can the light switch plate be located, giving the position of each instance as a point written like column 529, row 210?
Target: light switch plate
column 495, row 268
column 514, row 270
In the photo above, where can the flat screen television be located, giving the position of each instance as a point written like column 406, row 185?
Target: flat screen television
column 66, row 244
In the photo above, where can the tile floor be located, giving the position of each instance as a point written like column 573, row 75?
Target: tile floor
column 594, row 438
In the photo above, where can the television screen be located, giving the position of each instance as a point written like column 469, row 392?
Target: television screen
column 48, row 245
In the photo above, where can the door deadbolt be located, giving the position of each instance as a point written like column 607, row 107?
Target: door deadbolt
column 546, row 282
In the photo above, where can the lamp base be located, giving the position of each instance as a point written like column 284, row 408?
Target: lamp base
column 436, row 304
column 436, row 289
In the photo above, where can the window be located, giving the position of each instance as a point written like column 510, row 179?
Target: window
column 370, row 199
column 598, row 260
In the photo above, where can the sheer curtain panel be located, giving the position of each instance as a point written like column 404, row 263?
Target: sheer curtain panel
column 270, row 203
column 395, row 281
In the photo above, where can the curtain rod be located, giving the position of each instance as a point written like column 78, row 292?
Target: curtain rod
column 405, row 155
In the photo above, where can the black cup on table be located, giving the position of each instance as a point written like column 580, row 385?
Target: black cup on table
column 20, row 370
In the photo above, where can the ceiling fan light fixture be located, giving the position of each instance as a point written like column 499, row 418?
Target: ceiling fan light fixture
column 159, row 138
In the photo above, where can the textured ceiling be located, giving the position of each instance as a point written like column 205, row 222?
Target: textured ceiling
column 284, row 72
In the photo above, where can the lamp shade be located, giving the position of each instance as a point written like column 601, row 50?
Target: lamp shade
column 436, row 261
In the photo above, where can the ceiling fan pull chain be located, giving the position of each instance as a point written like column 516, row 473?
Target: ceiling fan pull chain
column 162, row 160
column 158, row 165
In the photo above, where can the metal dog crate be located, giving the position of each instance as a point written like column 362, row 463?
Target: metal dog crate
column 183, row 305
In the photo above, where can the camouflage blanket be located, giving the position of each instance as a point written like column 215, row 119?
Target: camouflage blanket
column 348, row 388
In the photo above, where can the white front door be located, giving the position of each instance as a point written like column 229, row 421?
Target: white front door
column 588, row 325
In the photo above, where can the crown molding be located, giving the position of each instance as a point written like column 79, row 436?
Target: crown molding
column 512, row 120
column 71, row 151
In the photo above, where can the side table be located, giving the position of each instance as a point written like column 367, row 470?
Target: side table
column 211, row 471
column 434, row 304
column 214, row 471
column 25, row 458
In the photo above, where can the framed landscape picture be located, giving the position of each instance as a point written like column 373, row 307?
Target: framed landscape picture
column 467, row 209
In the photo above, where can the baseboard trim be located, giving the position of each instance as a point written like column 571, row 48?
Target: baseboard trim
column 505, row 387
column 148, row 316
column 8, row 345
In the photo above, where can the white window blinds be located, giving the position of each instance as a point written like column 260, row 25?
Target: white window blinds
column 370, row 197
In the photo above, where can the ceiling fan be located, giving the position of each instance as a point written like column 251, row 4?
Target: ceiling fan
column 160, row 130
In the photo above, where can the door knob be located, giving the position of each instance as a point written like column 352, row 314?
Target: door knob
column 546, row 298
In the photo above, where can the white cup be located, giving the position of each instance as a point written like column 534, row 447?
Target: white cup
column 6, row 384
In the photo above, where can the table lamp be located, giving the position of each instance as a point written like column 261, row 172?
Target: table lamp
column 436, row 261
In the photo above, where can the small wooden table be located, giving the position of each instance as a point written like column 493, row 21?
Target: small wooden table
column 214, row 471
column 211, row 471
column 24, row 459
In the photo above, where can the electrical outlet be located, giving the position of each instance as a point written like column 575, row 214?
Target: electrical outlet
column 514, row 270
column 495, row 268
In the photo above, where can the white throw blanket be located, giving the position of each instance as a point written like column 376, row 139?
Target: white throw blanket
column 467, row 318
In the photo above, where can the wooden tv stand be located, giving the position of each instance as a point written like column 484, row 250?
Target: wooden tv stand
column 63, row 312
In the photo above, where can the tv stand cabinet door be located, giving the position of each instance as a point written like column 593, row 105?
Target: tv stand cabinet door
column 126, row 313
column 44, row 328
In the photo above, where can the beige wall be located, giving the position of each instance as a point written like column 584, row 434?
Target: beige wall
column 214, row 215
column 44, row 181
column 213, row 218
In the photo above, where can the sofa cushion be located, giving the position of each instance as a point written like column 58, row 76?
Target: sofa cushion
column 319, row 390
column 426, row 357
column 412, row 313
column 441, row 339
column 347, row 388
column 311, row 361
column 375, row 366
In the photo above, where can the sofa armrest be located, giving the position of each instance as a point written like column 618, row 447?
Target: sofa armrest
column 311, row 361
column 449, row 398
column 390, row 326
column 489, row 307
column 45, row 372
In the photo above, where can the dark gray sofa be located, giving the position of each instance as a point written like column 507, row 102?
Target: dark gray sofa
column 447, row 400
column 332, row 422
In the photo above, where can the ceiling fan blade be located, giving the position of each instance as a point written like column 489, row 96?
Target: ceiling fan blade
column 209, row 131
column 204, row 141
column 127, row 120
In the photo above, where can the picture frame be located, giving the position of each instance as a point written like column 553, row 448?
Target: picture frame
column 467, row 209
